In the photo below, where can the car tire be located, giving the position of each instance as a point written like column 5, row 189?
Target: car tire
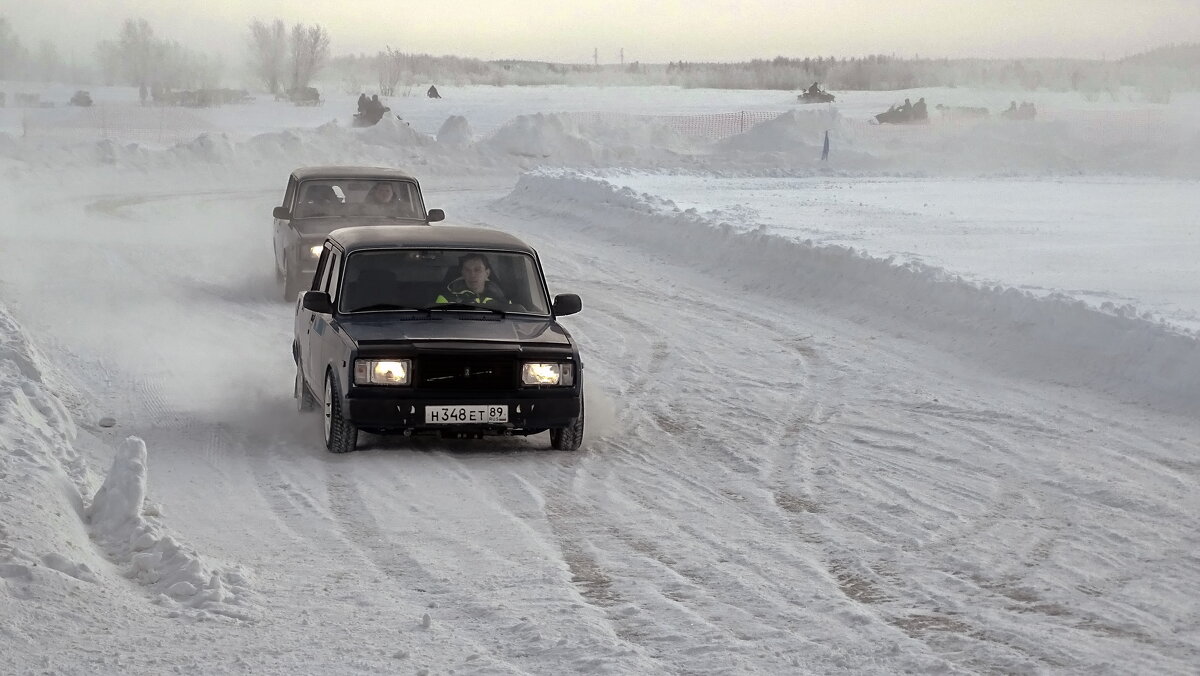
column 341, row 435
column 570, row 437
column 305, row 401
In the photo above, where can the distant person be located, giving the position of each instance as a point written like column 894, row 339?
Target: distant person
column 474, row 284
column 433, row 92
column 377, row 109
column 362, row 103
column 814, row 89
column 919, row 110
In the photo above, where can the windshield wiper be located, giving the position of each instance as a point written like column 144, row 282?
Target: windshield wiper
column 464, row 306
column 388, row 306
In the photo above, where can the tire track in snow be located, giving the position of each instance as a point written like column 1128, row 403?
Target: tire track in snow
column 844, row 564
column 689, row 589
column 514, row 637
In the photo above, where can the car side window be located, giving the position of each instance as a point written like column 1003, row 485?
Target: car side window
column 322, row 272
column 329, row 283
column 410, row 203
column 290, row 193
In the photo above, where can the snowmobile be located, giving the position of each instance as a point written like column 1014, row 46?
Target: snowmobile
column 818, row 97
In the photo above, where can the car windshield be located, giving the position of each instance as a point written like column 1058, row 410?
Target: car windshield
column 442, row 280
column 358, row 198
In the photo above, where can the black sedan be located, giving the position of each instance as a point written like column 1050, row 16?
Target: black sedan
column 451, row 331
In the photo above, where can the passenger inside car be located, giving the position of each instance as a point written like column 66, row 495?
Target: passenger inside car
column 318, row 200
column 372, row 286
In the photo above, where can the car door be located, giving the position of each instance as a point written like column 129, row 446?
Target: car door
column 318, row 331
column 282, row 226
column 306, row 339
column 331, row 344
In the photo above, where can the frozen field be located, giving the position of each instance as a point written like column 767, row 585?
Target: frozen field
column 966, row 445
column 1108, row 240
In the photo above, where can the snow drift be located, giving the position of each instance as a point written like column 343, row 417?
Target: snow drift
column 1070, row 142
column 122, row 524
column 1051, row 338
column 45, row 486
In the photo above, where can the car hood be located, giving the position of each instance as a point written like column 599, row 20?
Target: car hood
column 319, row 227
column 453, row 326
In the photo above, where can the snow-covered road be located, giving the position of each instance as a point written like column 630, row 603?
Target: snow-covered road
column 771, row 482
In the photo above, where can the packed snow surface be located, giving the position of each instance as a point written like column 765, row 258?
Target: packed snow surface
column 927, row 406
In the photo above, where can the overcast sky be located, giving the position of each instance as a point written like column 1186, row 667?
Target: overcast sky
column 653, row 31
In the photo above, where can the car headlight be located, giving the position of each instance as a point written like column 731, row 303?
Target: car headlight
column 382, row 371
column 547, row 373
column 315, row 251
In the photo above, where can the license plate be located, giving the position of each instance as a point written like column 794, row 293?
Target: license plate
column 466, row 415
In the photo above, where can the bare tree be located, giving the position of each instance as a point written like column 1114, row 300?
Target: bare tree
column 138, row 52
column 390, row 67
column 48, row 64
column 108, row 58
column 182, row 68
column 12, row 52
column 309, row 52
column 268, row 51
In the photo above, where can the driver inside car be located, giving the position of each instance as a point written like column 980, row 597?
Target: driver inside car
column 381, row 200
column 474, row 286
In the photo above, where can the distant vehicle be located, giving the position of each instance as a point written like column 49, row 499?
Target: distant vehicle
column 81, row 98
column 319, row 200
column 1026, row 111
column 814, row 94
column 392, row 339
column 819, row 97
column 905, row 114
column 370, row 111
column 305, row 96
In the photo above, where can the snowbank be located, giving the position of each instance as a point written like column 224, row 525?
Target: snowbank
column 43, row 540
column 1069, row 142
column 455, row 132
column 48, row 525
column 119, row 521
column 1053, row 338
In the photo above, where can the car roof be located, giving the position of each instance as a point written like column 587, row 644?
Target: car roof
column 425, row 237
column 306, row 173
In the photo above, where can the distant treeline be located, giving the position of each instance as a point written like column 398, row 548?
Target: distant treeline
column 1173, row 68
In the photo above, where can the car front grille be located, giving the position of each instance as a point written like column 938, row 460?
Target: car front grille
column 465, row 373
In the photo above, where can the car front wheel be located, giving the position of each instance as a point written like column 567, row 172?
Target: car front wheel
column 570, row 437
column 341, row 435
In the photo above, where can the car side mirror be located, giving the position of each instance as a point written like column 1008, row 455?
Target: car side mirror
column 317, row 301
column 566, row 304
column 436, row 215
column 282, row 213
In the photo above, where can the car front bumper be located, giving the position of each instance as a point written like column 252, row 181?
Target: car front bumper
column 527, row 410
